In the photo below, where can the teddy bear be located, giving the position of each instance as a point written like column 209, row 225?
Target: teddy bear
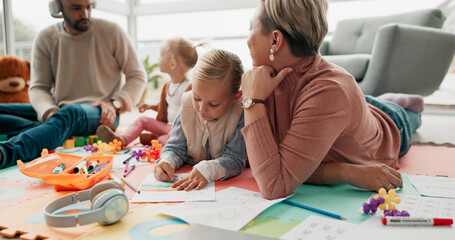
column 14, row 78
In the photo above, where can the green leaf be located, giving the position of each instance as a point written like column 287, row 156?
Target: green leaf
column 149, row 69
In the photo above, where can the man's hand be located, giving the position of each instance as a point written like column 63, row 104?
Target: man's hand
column 194, row 180
column 108, row 113
column 164, row 171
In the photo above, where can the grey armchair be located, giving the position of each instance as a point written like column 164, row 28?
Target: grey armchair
column 405, row 53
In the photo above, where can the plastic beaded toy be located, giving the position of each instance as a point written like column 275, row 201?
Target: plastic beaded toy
column 115, row 146
column 99, row 148
column 396, row 213
column 385, row 200
column 90, row 148
column 389, row 197
column 149, row 153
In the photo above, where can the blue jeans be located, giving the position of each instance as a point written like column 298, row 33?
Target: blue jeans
column 406, row 121
column 30, row 136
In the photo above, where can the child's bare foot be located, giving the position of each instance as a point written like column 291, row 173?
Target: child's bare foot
column 105, row 134
column 146, row 138
column 411, row 102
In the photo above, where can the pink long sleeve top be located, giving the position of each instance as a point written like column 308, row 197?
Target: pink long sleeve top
column 316, row 115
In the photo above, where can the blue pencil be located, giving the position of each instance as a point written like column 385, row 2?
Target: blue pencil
column 313, row 209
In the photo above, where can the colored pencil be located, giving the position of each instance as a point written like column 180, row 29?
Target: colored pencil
column 99, row 167
column 130, row 185
column 126, row 160
column 313, row 209
column 129, row 170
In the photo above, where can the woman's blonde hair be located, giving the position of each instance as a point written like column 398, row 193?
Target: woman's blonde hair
column 220, row 65
column 180, row 47
column 302, row 22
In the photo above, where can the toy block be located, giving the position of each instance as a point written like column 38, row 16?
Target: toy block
column 69, row 143
column 80, row 141
column 91, row 139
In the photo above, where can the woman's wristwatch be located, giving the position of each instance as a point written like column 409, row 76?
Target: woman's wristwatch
column 116, row 103
column 247, row 103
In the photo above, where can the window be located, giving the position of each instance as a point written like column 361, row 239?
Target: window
column 31, row 16
column 209, row 26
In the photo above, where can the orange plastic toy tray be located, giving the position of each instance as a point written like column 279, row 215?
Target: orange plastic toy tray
column 67, row 180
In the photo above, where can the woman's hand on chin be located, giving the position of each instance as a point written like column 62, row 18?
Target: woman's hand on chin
column 260, row 82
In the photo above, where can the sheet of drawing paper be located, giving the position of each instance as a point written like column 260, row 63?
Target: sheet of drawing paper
column 153, row 190
column 233, row 209
column 433, row 186
column 203, row 232
column 417, row 206
column 319, row 228
column 373, row 229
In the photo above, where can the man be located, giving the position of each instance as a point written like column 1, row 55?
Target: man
column 76, row 73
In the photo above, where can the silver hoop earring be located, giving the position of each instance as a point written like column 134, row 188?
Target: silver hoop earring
column 271, row 57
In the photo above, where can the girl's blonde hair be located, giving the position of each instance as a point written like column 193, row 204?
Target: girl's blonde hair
column 220, row 65
column 302, row 22
column 180, row 47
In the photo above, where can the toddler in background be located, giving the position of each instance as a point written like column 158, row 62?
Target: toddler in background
column 177, row 57
column 206, row 133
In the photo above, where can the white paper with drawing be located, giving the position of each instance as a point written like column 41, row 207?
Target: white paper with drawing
column 233, row 209
column 319, row 228
column 417, row 206
column 433, row 186
column 153, row 190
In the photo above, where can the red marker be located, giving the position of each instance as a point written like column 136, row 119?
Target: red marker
column 403, row 221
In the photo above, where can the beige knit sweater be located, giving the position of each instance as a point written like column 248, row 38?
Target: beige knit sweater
column 87, row 67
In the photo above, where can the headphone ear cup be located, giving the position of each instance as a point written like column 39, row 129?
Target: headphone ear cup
column 54, row 7
column 101, row 198
column 114, row 204
column 102, row 186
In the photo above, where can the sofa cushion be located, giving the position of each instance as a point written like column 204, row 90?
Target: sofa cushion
column 355, row 64
column 357, row 35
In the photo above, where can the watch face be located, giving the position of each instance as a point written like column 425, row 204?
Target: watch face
column 247, row 102
column 117, row 104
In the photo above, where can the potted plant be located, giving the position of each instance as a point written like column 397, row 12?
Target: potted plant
column 152, row 79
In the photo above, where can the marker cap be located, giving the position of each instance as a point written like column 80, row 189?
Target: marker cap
column 443, row 221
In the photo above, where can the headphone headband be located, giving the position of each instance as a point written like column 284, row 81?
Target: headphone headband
column 55, row 8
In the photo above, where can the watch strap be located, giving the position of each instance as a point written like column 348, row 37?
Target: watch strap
column 258, row 101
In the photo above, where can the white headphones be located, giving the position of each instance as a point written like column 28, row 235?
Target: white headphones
column 55, row 7
column 109, row 205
